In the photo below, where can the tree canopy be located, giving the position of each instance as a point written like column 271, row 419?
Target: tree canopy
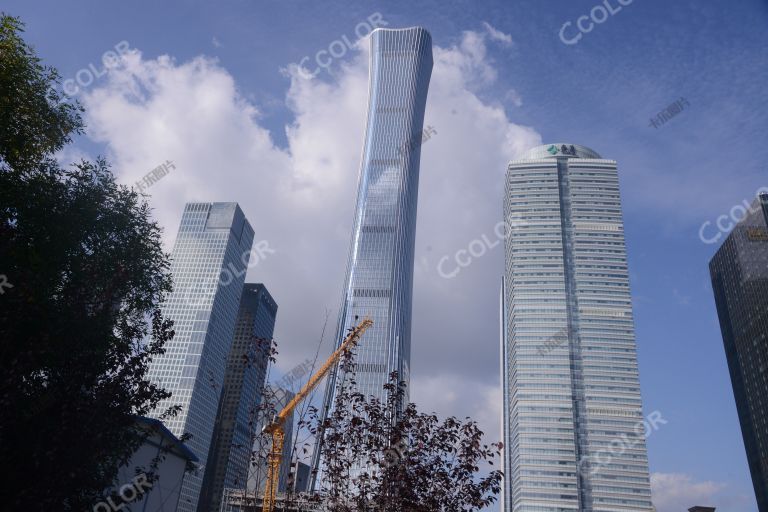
column 384, row 455
column 84, row 274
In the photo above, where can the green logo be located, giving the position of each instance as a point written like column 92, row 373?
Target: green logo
column 552, row 149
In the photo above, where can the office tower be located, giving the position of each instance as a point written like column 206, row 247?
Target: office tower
column 573, row 426
column 276, row 399
column 739, row 272
column 208, row 266
column 241, row 396
column 379, row 281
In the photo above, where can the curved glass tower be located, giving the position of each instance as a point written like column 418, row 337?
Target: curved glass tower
column 379, row 279
column 574, row 433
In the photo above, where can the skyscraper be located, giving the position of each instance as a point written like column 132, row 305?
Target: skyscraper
column 739, row 272
column 243, row 388
column 573, row 426
column 379, row 282
column 208, row 266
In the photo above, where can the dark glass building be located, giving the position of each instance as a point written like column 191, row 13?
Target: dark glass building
column 208, row 264
column 739, row 272
column 242, row 393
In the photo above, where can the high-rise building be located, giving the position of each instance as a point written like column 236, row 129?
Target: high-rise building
column 239, row 408
column 739, row 272
column 276, row 398
column 379, row 281
column 572, row 414
column 208, row 265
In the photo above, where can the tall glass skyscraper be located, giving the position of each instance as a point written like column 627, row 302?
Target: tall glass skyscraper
column 739, row 274
column 208, row 266
column 572, row 414
column 239, row 409
column 379, row 282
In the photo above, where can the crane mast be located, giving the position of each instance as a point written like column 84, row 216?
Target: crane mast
column 276, row 428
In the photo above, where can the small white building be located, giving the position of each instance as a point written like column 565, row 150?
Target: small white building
column 136, row 493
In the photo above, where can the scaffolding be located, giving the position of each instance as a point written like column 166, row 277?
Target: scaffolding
column 238, row 500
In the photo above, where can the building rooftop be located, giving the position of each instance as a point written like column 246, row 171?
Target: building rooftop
column 178, row 447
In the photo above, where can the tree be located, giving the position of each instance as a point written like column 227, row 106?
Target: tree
column 383, row 456
column 36, row 120
column 86, row 273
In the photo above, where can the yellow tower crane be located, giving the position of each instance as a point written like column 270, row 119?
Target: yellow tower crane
column 276, row 428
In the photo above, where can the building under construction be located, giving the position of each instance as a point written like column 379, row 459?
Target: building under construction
column 237, row 500
column 271, row 499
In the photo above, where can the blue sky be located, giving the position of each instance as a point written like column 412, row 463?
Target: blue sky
column 505, row 81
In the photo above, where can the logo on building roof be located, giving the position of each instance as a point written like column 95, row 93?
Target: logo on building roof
column 565, row 150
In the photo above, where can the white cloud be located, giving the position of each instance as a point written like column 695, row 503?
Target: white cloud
column 675, row 492
column 301, row 198
column 514, row 96
column 445, row 396
column 498, row 35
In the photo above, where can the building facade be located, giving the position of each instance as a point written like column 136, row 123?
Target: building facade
column 739, row 272
column 208, row 266
column 244, row 379
column 570, row 379
column 379, row 280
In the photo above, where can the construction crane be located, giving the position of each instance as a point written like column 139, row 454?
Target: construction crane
column 276, row 428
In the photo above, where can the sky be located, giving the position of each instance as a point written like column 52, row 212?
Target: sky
column 232, row 94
